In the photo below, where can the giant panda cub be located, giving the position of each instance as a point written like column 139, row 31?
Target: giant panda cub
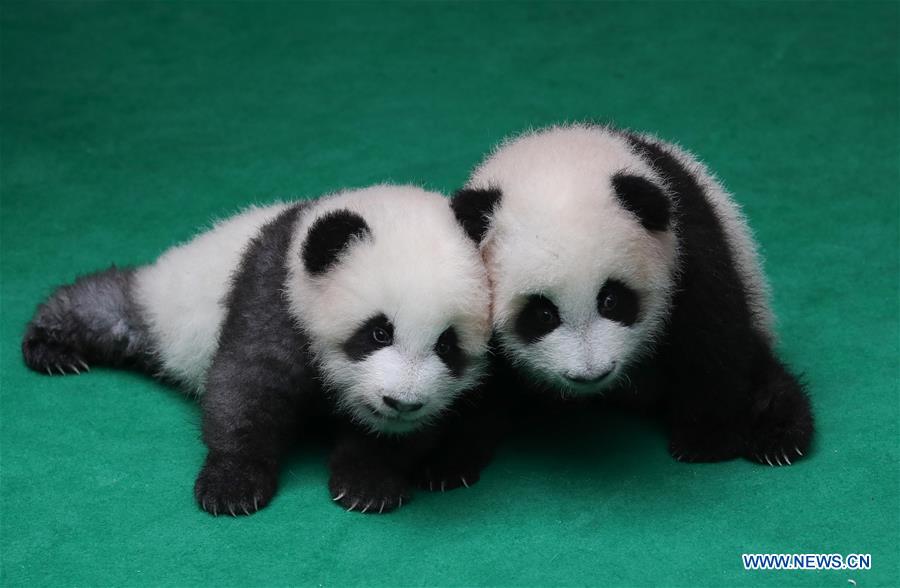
column 618, row 261
column 368, row 308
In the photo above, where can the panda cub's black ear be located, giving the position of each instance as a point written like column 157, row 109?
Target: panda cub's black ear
column 473, row 208
column 329, row 236
column 644, row 199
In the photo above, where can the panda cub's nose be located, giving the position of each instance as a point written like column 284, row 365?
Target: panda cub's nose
column 400, row 405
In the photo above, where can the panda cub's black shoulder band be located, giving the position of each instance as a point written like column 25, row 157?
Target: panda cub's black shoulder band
column 473, row 208
column 329, row 236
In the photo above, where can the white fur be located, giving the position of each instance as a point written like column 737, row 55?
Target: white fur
column 182, row 293
column 416, row 267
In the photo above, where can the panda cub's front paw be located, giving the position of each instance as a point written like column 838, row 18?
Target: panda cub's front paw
column 368, row 494
column 699, row 443
column 234, row 485
column 782, row 431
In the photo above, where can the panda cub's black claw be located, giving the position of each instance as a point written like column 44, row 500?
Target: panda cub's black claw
column 234, row 485
column 446, row 472
column 434, row 481
column 379, row 492
column 46, row 356
column 776, row 452
column 696, row 444
column 371, row 503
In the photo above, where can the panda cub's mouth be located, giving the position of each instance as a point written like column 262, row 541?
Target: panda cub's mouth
column 394, row 422
column 593, row 384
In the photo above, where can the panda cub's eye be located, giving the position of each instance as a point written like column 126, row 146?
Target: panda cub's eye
column 448, row 350
column 609, row 302
column 374, row 334
column 538, row 317
column 447, row 342
column 381, row 336
column 547, row 316
column 617, row 302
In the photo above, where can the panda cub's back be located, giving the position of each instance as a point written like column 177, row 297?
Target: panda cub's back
column 181, row 295
column 738, row 235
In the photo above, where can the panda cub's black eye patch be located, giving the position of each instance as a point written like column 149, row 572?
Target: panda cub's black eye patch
column 374, row 334
column 447, row 348
column 617, row 302
column 537, row 318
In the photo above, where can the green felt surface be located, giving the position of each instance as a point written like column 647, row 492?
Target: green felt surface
column 127, row 126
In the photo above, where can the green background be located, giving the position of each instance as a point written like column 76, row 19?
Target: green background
column 127, row 126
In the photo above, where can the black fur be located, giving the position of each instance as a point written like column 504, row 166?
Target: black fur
column 375, row 474
column 468, row 437
column 260, row 376
column 617, row 302
column 93, row 321
column 473, row 208
column 329, row 236
column 363, row 342
column 644, row 199
column 447, row 348
column 727, row 395
column 537, row 318
column 372, row 475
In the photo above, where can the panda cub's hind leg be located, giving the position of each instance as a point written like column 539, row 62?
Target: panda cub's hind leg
column 781, row 428
column 766, row 417
column 93, row 321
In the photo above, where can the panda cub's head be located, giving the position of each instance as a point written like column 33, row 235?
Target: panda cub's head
column 394, row 298
column 575, row 231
